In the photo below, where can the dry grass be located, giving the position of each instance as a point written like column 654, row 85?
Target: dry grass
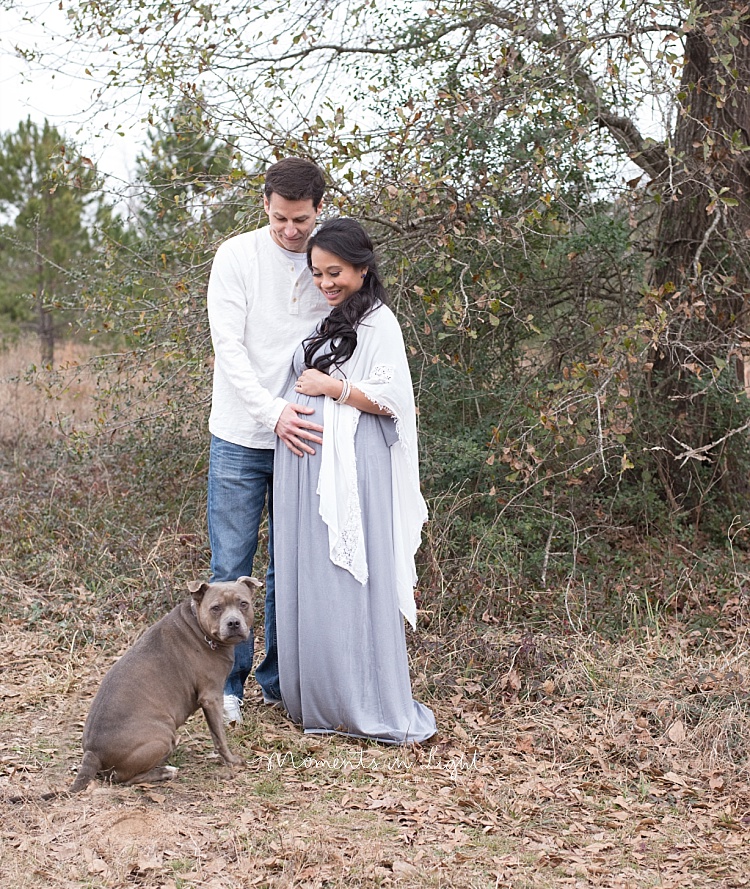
column 38, row 403
column 573, row 764
column 88, row 393
column 563, row 759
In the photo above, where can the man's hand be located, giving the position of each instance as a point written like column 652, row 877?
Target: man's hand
column 294, row 430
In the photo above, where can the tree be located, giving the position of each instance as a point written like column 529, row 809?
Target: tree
column 46, row 192
column 149, row 299
column 186, row 174
column 701, row 270
column 482, row 141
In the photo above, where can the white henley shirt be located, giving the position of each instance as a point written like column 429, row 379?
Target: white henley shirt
column 262, row 303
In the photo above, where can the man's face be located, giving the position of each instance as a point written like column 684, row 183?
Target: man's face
column 292, row 222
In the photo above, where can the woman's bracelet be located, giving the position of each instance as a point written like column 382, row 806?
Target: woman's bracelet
column 345, row 392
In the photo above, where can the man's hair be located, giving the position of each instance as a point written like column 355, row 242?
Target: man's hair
column 295, row 179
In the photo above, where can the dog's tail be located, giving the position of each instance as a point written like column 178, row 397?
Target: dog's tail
column 90, row 765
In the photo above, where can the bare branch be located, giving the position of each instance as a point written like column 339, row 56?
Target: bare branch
column 472, row 26
column 650, row 156
column 699, row 453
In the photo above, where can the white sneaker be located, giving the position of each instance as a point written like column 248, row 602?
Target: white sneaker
column 232, row 710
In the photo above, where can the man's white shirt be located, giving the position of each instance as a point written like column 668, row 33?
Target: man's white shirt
column 262, row 303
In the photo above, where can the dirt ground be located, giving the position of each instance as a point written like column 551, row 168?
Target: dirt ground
column 614, row 766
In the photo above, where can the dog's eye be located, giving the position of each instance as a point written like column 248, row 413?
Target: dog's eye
column 244, row 605
column 216, row 609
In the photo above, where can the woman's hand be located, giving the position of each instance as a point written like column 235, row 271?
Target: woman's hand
column 315, row 382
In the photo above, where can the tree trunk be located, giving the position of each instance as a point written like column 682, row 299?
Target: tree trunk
column 45, row 322
column 46, row 329
column 701, row 273
column 698, row 234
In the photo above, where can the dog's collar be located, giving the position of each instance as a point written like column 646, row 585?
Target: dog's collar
column 210, row 642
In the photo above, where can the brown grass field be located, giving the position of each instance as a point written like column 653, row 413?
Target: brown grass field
column 42, row 403
column 564, row 757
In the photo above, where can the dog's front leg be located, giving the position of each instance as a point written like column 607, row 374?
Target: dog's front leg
column 212, row 710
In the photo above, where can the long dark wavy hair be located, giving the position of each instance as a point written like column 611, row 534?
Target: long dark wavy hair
column 335, row 338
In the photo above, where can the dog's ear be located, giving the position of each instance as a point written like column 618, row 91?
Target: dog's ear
column 249, row 582
column 198, row 589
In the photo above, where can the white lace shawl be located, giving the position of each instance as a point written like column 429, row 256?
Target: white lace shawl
column 379, row 369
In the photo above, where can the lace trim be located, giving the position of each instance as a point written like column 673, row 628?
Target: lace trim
column 350, row 545
column 350, row 539
column 383, row 373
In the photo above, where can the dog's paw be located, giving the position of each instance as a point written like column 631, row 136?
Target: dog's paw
column 232, row 759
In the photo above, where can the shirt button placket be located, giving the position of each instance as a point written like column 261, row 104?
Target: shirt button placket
column 294, row 304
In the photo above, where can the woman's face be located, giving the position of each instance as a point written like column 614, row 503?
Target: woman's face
column 336, row 278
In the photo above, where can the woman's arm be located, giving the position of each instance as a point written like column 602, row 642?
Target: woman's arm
column 315, row 382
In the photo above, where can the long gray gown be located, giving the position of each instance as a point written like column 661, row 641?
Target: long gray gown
column 343, row 665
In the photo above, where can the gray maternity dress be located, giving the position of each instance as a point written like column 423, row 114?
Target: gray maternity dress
column 343, row 665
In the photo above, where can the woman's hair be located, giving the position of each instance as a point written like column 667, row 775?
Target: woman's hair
column 335, row 338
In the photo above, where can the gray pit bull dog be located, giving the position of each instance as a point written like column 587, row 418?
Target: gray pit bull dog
column 178, row 665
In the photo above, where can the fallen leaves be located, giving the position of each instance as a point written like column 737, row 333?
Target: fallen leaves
column 616, row 770
column 676, row 732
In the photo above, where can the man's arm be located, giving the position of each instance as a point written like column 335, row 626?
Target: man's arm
column 227, row 315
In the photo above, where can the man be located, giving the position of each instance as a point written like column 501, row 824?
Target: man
column 261, row 304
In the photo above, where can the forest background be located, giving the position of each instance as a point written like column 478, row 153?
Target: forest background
column 560, row 194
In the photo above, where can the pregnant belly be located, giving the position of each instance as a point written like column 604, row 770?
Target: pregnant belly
column 314, row 401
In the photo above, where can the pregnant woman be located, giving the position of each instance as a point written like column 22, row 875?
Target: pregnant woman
column 348, row 519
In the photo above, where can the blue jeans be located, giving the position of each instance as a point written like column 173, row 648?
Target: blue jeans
column 240, row 483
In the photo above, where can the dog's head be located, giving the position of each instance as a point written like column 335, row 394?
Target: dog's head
column 224, row 610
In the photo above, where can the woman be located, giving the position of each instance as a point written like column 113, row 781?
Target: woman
column 348, row 520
